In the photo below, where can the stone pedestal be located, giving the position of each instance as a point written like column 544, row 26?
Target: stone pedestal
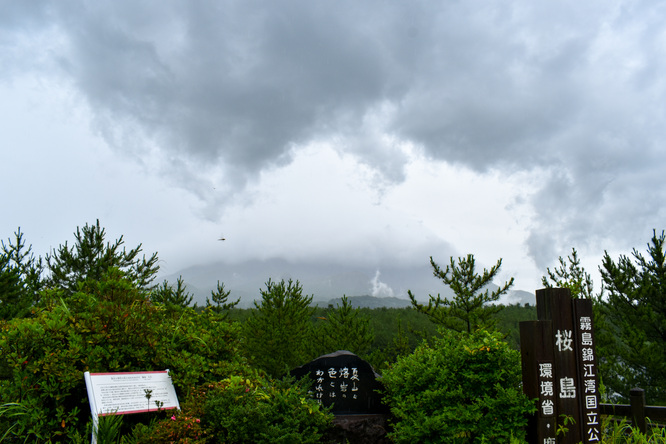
column 360, row 429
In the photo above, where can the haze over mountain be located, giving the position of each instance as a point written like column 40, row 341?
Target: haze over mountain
column 326, row 282
column 370, row 132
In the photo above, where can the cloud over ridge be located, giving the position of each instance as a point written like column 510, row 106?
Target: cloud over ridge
column 216, row 94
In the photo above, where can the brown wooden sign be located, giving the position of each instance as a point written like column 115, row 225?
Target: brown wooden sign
column 539, row 378
column 554, row 304
column 560, row 366
column 587, row 370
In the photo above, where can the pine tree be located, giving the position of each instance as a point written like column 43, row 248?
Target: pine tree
column 220, row 304
column 20, row 278
column 400, row 345
column 91, row 258
column 471, row 307
column 278, row 332
column 172, row 297
column 344, row 328
column 632, row 341
column 572, row 276
column 11, row 290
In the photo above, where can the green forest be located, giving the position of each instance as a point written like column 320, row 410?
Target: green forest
column 451, row 368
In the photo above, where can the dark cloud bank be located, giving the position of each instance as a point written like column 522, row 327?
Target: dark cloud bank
column 227, row 89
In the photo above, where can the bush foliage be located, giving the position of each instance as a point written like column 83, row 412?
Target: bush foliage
column 458, row 389
column 246, row 409
column 94, row 307
column 108, row 325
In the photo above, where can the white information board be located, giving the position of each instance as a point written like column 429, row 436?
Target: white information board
column 122, row 393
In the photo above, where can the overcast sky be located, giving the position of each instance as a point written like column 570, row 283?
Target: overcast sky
column 372, row 133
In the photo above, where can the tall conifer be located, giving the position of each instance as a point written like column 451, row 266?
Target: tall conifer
column 91, row 257
column 633, row 338
column 471, row 307
column 278, row 332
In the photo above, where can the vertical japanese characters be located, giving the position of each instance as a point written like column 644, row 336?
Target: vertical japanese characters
column 336, row 383
column 564, row 344
column 565, row 379
column 546, row 389
column 587, row 371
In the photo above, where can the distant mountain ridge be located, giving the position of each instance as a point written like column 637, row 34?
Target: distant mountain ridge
column 367, row 301
column 324, row 281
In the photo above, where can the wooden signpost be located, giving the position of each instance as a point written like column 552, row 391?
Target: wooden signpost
column 124, row 393
column 588, row 374
column 538, row 378
column 560, row 369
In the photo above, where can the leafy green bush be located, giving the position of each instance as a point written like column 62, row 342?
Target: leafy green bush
column 246, row 409
column 462, row 388
column 199, row 347
column 106, row 326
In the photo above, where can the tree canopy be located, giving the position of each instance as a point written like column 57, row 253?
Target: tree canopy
column 220, row 301
column 470, row 308
column 172, row 297
column 20, row 278
column 90, row 258
column 570, row 274
column 279, row 330
column 345, row 328
column 633, row 324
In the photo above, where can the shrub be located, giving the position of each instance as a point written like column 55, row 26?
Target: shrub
column 246, row 409
column 621, row 432
column 106, row 326
column 462, row 388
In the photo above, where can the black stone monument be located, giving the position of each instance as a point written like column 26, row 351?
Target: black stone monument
column 344, row 381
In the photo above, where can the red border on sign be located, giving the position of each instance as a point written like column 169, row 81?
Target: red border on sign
column 129, row 373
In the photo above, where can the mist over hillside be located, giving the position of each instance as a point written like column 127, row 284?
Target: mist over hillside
column 324, row 281
column 367, row 301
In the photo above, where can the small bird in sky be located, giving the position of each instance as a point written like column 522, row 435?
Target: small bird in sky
column 222, row 238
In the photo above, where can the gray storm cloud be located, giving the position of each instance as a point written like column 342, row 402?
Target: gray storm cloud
column 231, row 88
